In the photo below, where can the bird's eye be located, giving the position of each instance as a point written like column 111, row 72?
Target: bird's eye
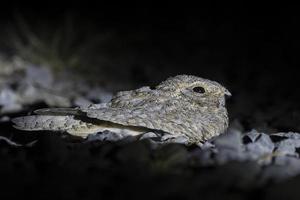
column 200, row 90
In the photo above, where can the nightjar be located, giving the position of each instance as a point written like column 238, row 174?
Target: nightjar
column 183, row 105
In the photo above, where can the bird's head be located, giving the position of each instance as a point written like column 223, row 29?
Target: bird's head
column 195, row 90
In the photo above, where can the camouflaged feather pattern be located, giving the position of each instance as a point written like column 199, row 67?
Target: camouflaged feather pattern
column 173, row 107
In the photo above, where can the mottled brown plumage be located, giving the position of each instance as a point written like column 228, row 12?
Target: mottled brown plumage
column 183, row 105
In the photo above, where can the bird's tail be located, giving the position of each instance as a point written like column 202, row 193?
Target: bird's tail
column 55, row 119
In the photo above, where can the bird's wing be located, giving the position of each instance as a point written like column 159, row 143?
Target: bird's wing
column 58, row 111
column 45, row 122
column 151, row 116
column 71, row 120
column 139, row 107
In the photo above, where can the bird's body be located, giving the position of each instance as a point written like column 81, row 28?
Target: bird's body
column 183, row 105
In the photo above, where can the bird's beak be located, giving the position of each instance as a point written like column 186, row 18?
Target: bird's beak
column 226, row 92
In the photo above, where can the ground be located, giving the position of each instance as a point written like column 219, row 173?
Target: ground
column 254, row 56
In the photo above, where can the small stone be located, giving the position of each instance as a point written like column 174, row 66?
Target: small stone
column 260, row 149
column 168, row 138
column 9, row 101
column 252, row 135
column 106, row 136
column 149, row 135
column 4, row 119
column 229, row 140
column 287, row 147
column 39, row 75
column 82, row 102
column 229, row 147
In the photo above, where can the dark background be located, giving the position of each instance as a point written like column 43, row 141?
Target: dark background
column 253, row 50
